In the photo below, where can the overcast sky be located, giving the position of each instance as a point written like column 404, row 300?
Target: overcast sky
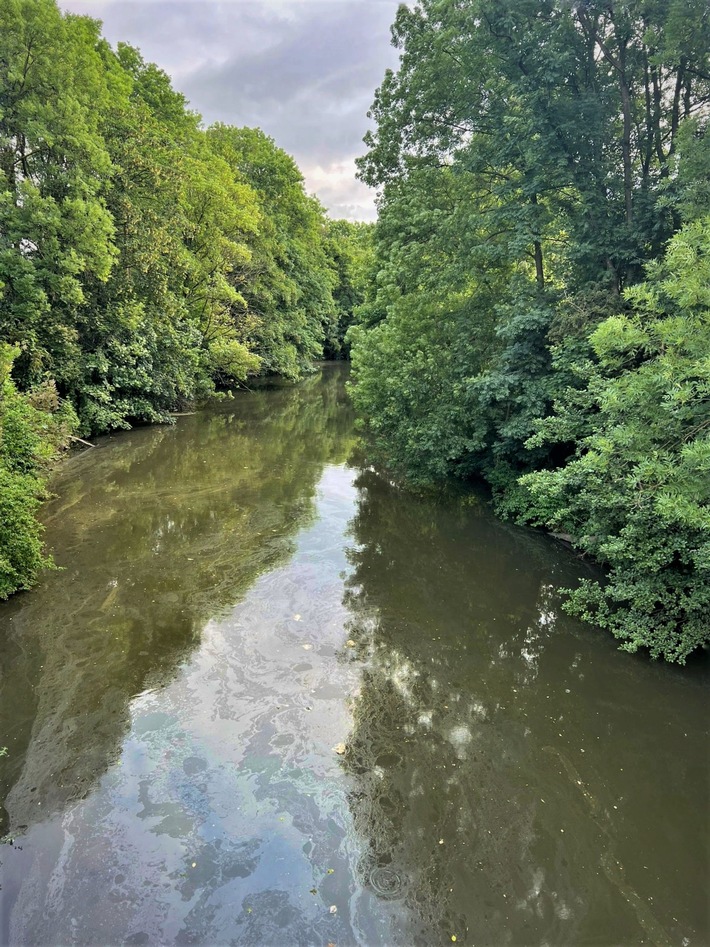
column 305, row 72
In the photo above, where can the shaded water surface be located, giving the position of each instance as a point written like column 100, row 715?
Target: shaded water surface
column 238, row 603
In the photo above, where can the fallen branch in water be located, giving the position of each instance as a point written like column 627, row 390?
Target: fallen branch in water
column 81, row 440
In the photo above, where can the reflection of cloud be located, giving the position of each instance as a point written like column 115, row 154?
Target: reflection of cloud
column 175, row 516
column 460, row 695
column 304, row 72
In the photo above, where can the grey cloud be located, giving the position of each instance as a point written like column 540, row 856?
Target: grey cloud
column 304, row 72
column 179, row 37
column 310, row 90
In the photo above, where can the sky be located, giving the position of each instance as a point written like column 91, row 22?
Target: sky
column 304, row 72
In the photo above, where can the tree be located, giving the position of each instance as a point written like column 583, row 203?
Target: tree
column 55, row 230
column 351, row 253
column 287, row 282
column 144, row 261
column 533, row 158
column 636, row 495
column 32, row 428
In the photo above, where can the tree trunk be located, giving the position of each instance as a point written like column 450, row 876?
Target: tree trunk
column 537, row 245
column 539, row 269
column 626, row 137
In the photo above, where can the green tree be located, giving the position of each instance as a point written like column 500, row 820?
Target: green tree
column 55, row 230
column 351, row 253
column 144, row 261
column 288, row 280
column 32, row 428
column 161, row 328
column 636, row 495
column 532, row 159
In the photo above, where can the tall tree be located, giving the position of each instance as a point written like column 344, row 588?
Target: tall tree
column 288, row 281
column 532, row 158
column 350, row 250
column 55, row 230
column 636, row 494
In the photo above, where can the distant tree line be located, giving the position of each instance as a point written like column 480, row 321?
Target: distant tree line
column 540, row 316
column 145, row 261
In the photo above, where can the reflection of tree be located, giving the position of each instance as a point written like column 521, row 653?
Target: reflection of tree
column 462, row 805
column 157, row 533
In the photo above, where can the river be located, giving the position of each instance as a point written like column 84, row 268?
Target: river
column 271, row 699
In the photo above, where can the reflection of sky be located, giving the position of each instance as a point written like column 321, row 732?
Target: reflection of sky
column 227, row 806
column 501, row 761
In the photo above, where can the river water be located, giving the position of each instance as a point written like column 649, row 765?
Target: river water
column 271, row 699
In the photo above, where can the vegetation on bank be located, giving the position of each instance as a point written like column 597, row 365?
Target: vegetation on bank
column 541, row 313
column 33, row 427
column 144, row 260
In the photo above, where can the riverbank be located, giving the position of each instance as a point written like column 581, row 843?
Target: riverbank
column 37, row 437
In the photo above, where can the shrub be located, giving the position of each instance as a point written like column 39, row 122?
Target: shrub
column 33, row 427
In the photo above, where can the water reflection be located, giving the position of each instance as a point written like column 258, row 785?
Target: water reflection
column 511, row 769
column 156, row 532
column 239, row 606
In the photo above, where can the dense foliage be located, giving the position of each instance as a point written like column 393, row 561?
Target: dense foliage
column 541, row 315
column 352, row 251
column 32, row 427
column 144, row 260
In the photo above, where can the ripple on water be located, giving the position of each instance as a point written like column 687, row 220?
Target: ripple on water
column 377, row 874
column 386, row 883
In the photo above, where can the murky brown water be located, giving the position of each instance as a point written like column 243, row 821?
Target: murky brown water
column 236, row 601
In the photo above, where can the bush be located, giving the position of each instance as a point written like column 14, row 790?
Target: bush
column 636, row 495
column 32, row 429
